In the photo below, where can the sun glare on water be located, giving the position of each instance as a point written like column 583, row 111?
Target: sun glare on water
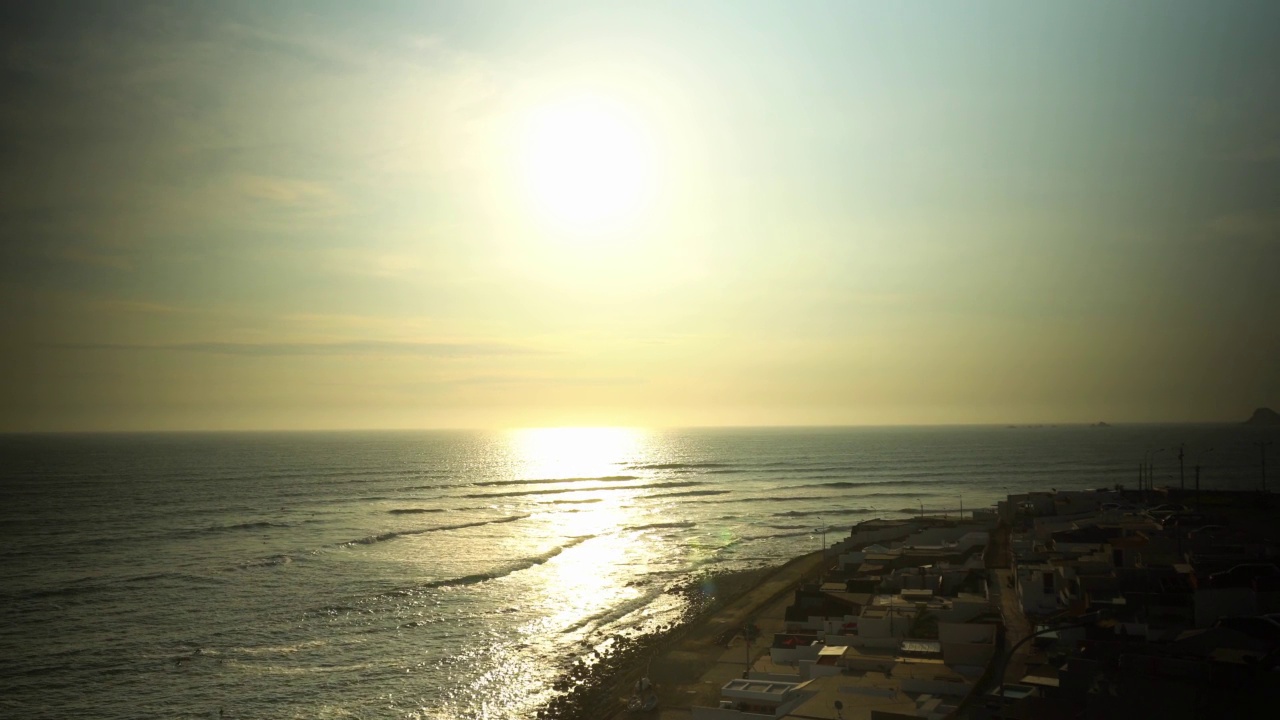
column 587, row 164
column 566, row 452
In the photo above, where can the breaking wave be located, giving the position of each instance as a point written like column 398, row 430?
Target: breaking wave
column 374, row 539
column 543, row 481
column 509, row 569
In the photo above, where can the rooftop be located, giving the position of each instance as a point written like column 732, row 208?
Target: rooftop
column 769, row 691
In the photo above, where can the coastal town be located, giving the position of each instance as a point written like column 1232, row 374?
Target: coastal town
column 1163, row 602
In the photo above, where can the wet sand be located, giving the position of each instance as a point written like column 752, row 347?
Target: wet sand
column 689, row 663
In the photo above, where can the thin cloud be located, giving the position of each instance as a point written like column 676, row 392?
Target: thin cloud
column 283, row 191
column 544, row 380
column 294, row 349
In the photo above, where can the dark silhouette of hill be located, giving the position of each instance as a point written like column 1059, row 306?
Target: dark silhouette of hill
column 1264, row 416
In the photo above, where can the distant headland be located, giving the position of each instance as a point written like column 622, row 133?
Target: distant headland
column 1264, row 416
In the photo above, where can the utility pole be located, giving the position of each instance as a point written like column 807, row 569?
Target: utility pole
column 1182, row 478
column 1262, row 449
column 1197, row 484
column 822, row 576
column 1149, row 460
column 1206, row 452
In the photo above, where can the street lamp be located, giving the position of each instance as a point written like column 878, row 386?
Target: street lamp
column 1086, row 620
column 1148, row 460
column 822, row 567
column 1206, row 452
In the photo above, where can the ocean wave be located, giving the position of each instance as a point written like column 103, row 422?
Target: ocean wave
column 681, row 466
column 523, row 493
column 561, row 491
column 259, row 525
column 504, row 571
column 773, row 499
column 870, row 483
column 828, row 511
column 662, row 525
column 691, row 493
column 779, row 536
column 392, row 535
column 237, row 527
column 611, row 613
column 414, row 511
column 543, row 481
column 269, row 561
column 91, row 585
column 176, row 576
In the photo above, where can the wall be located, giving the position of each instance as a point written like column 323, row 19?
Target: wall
column 865, row 536
column 810, row 670
column 791, row 656
column 935, row 687
column 708, row 713
column 851, row 559
column 966, row 633
column 895, row 625
column 964, row 610
column 970, row 654
column 1035, row 600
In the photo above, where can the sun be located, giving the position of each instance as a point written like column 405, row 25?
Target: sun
column 587, row 164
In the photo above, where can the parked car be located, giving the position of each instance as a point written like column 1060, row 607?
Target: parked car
column 1251, row 575
column 1261, row 627
column 1207, row 531
column 1184, row 520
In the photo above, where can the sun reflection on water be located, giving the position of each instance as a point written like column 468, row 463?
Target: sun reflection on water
column 587, row 589
column 553, row 453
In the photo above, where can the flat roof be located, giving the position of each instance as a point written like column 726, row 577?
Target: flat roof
column 772, row 691
column 921, row 646
column 1015, row 691
column 860, row 696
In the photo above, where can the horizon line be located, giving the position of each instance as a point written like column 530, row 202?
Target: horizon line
column 868, row 426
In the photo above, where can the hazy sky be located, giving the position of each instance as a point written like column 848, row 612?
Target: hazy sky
column 303, row 214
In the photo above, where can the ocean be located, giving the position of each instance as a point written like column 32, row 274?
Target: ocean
column 453, row 574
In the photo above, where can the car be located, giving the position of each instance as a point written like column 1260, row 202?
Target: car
column 1250, row 575
column 1185, row 520
column 1207, row 531
column 1261, row 627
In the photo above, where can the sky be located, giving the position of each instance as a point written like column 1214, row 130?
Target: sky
column 401, row 214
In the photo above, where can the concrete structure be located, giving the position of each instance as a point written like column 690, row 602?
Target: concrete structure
column 754, row 699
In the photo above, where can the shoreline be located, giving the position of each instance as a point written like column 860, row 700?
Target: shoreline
column 678, row 660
